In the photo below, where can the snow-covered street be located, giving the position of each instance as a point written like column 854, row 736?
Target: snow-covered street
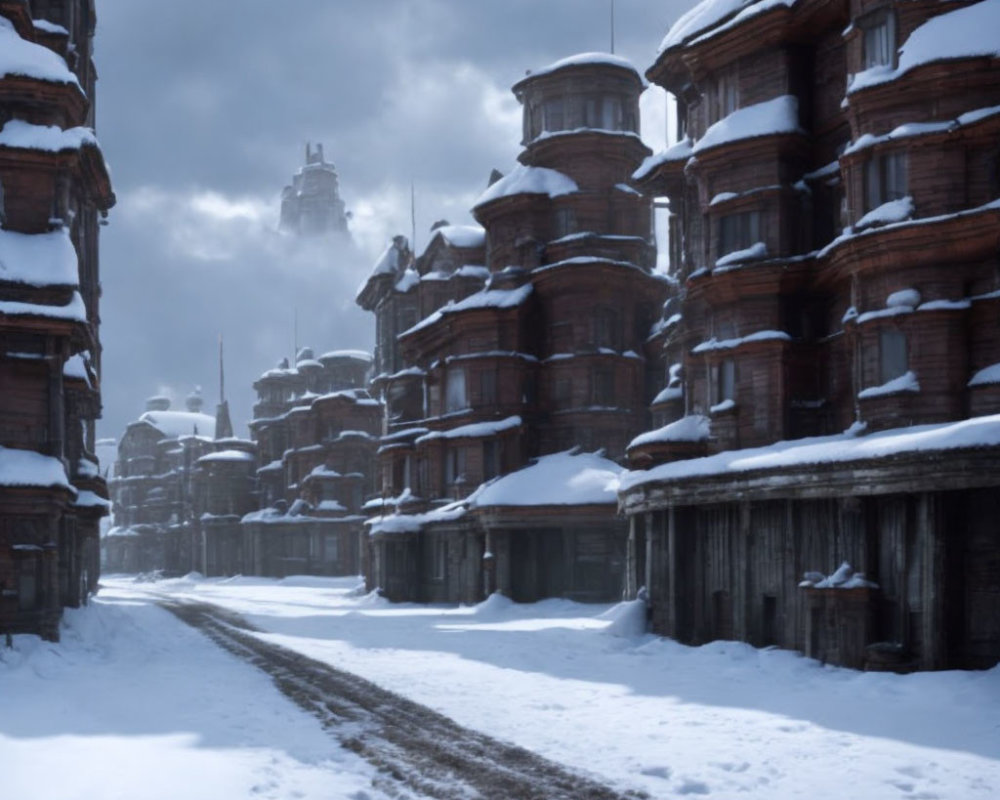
column 134, row 705
column 574, row 683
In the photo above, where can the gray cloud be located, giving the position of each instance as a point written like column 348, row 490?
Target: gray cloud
column 203, row 110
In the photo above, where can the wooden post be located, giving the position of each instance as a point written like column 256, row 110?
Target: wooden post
column 671, row 573
column 930, row 542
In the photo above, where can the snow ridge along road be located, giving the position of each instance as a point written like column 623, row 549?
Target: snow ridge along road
column 413, row 745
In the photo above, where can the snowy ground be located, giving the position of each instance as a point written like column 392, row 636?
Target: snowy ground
column 134, row 705
column 569, row 681
column 575, row 684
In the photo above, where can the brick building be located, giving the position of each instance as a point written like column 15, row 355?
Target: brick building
column 532, row 349
column 316, row 428
column 181, row 484
column 54, row 187
column 835, row 200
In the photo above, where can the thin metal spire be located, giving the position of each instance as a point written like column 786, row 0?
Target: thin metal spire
column 295, row 335
column 612, row 27
column 222, row 374
column 413, row 218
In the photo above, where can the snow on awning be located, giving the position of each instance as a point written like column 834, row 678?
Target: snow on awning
column 21, row 134
column 473, row 430
column 227, row 455
column 692, row 428
column 39, row 259
column 679, row 151
column 840, row 448
column 28, row 468
column 75, row 310
column 779, row 115
column 529, row 180
column 560, row 479
column 964, row 33
column 21, row 57
column 487, row 298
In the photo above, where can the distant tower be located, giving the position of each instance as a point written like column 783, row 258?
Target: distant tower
column 312, row 204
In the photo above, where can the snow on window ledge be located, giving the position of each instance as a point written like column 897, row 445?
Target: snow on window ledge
column 720, row 408
column 907, row 382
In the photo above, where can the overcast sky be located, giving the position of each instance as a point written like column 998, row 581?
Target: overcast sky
column 204, row 108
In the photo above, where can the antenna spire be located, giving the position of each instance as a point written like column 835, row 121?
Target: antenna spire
column 222, row 374
column 413, row 217
column 295, row 334
column 612, row 27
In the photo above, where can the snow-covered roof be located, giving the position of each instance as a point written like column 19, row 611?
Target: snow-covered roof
column 76, row 367
column 174, row 424
column 227, row 455
column 360, row 355
column 460, row 235
column 473, row 430
column 389, row 262
column 410, row 523
column 21, row 57
column 964, row 33
column 778, row 115
column 28, row 468
column 487, row 298
column 40, row 259
column 728, row 344
column 18, row 133
column 88, row 499
column 711, row 13
column 839, row 448
column 560, row 479
column 583, row 59
column 529, row 180
column 911, row 129
column 75, row 310
column 678, row 151
column 987, row 375
column 692, row 428
column 49, row 27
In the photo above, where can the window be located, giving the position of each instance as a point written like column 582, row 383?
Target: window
column 724, row 381
column 455, row 399
column 491, row 459
column 3, row 207
column 879, row 39
column 893, row 360
column 454, row 466
column 487, row 387
column 439, row 555
column 607, row 328
column 554, row 115
column 612, row 113
column 592, row 111
column 564, row 392
column 885, row 179
column 331, row 547
column 604, row 386
column 728, row 95
column 738, row 231
column 565, row 222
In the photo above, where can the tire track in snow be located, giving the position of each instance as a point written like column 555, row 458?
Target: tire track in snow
column 414, row 747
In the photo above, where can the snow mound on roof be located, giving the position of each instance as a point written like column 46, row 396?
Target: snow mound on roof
column 779, row 115
column 486, row 298
column 529, row 180
column 581, row 59
column 710, row 13
column 18, row 133
column 28, row 468
column 41, row 259
column 227, row 455
column 679, row 151
column 964, row 33
column 560, row 479
column 360, row 355
column 461, row 235
column 692, row 428
column 174, row 424
column 839, row 448
column 75, row 310
column 21, row 57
